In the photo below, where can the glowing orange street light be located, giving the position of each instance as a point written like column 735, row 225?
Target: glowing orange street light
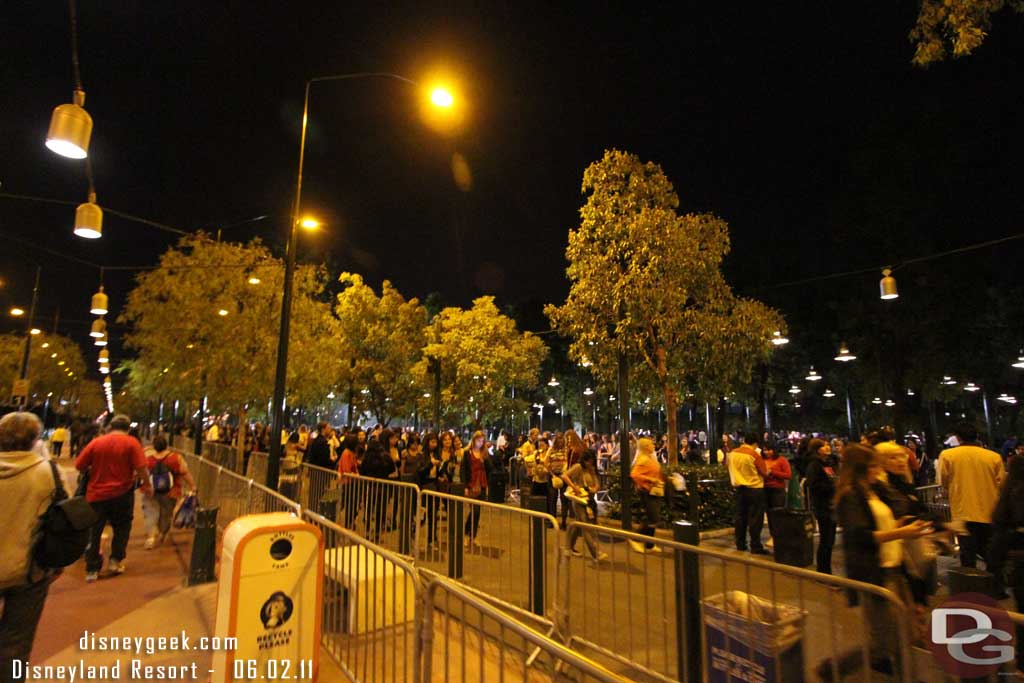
column 441, row 97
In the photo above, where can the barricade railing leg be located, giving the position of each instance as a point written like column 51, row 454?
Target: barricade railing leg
column 688, row 619
column 456, row 518
column 406, row 520
column 538, row 549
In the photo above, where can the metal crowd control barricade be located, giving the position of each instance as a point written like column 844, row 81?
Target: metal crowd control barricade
column 465, row 639
column 371, row 607
column 649, row 604
column 505, row 560
column 318, row 490
column 383, row 511
column 934, row 497
column 257, row 467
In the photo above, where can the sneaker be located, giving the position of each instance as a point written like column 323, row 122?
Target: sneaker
column 150, row 543
column 655, row 549
column 601, row 557
column 116, row 566
column 575, row 553
column 90, row 577
column 759, row 551
column 637, row 546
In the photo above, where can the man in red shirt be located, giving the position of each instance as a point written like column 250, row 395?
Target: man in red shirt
column 114, row 462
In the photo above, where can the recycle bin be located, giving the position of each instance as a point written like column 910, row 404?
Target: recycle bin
column 269, row 596
column 752, row 639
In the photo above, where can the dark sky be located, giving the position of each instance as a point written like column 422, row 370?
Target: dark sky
column 803, row 124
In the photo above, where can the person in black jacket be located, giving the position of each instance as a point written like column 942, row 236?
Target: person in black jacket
column 872, row 544
column 1008, row 538
column 821, row 488
column 379, row 465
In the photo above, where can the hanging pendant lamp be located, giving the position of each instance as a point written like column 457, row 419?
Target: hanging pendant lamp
column 99, row 328
column 89, row 219
column 70, row 129
column 99, row 303
column 887, row 285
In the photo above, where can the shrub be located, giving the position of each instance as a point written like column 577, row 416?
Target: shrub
column 715, row 499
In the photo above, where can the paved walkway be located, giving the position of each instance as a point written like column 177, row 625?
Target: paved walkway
column 149, row 599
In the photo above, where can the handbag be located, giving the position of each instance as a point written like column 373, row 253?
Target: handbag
column 658, row 490
column 64, row 528
column 185, row 518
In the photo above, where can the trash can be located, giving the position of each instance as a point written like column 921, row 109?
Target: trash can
column 752, row 639
column 792, row 536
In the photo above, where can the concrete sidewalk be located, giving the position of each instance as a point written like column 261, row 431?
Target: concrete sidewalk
column 149, row 599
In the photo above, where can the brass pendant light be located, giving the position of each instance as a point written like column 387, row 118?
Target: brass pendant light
column 887, row 285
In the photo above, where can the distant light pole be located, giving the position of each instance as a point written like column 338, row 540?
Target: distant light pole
column 440, row 98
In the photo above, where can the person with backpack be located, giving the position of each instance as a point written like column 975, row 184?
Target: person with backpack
column 27, row 486
column 167, row 470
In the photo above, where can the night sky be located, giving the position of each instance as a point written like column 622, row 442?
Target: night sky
column 804, row 125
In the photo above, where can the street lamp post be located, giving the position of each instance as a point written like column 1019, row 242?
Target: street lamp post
column 280, row 371
column 31, row 322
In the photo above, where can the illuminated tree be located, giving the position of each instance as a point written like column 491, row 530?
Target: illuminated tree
column 957, row 26
column 48, row 368
column 381, row 339
column 646, row 282
column 482, row 356
column 205, row 323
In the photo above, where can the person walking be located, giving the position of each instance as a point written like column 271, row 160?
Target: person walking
column 582, row 483
column 59, row 437
column 27, row 485
column 821, row 488
column 650, row 485
column 166, row 472
column 972, row 475
column 747, row 472
column 115, row 463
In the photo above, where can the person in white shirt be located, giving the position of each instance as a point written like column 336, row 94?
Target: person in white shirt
column 972, row 475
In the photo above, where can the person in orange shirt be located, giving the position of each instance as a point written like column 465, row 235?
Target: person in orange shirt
column 650, row 484
column 777, row 476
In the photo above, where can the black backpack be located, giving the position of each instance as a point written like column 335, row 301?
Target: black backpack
column 64, row 527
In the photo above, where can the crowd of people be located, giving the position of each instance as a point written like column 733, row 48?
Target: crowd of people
column 868, row 489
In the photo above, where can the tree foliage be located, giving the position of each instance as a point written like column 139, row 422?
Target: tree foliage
column 187, row 349
column 381, row 340
column 954, row 26
column 48, row 367
column 646, row 282
column 482, row 355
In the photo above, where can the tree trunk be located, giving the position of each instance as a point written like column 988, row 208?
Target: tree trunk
column 670, row 406
column 240, row 448
column 671, row 412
